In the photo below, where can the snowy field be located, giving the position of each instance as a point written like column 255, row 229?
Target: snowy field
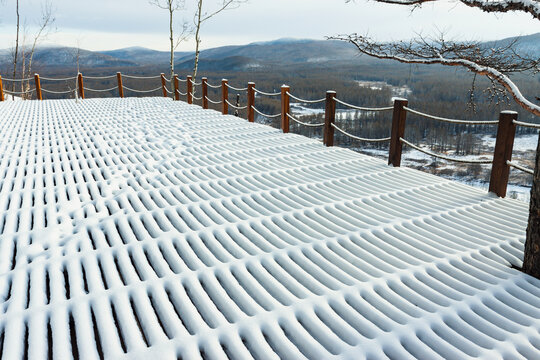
column 152, row 229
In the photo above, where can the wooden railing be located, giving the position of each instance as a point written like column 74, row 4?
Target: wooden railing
column 501, row 161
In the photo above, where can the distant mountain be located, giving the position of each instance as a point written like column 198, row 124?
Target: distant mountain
column 231, row 63
column 143, row 55
column 527, row 44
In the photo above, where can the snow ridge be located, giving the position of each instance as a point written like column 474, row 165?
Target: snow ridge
column 144, row 227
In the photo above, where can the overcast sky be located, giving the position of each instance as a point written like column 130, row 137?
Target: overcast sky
column 113, row 24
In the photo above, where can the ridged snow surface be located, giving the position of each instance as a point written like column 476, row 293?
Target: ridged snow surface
column 153, row 229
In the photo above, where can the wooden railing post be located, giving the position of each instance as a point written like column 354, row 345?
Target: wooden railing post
column 80, row 85
column 204, row 93
column 398, row 131
column 285, row 108
column 504, row 145
column 120, row 86
column 329, row 118
column 163, row 85
column 225, row 96
column 251, row 102
column 1, row 90
column 38, row 87
column 189, row 79
column 176, row 94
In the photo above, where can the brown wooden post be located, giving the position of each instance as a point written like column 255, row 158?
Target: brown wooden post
column 80, row 85
column 189, row 89
column 163, row 85
column 120, row 86
column 1, row 90
column 38, row 87
column 503, row 153
column 329, row 118
column 251, row 102
column 225, row 96
column 285, row 108
column 176, row 89
column 204, row 93
column 398, row 131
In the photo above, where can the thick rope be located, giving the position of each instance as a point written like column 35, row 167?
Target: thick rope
column 306, row 101
column 58, row 79
column 303, row 123
column 181, row 93
column 453, row 121
column 236, row 107
column 101, row 90
column 168, row 91
column 363, row 108
column 213, row 102
column 213, row 86
column 265, row 93
column 100, row 77
column 58, row 92
column 357, row 137
column 19, row 92
column 17, row 80
column 263, row 114
column 445, row 157
column 236, row 89
column 182, row 80
column 526, row 124
column 141, row 77
column 519, row 167
column 195, row 83
column 143, row 91
column 196, row 98
column 167, row 80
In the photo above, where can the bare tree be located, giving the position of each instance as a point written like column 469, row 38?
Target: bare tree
column 201, row 16
column 16, row 50
column 496, row 64
column 173, row 6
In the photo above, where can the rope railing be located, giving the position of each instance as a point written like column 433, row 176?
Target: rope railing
column 236, row 107
column 358, row 137
column 265, row 93
column 17, row 80
column 265, row 115
column 526, row 124
column 58, row 92
column 196, row 98
column 303, row 123
column 453, row 121
column 212, row 101
column 141, row 77
column 20, row 92
column 213, row 86
column 306, row 101
column 519, row 167
column 101, row 90
column 59, row 79
column 168, row 91
column 142, row 91
column 182, row 80
column 463, row 161
column 97, row 77
column 167, row 80
column 387, row 108
column 234, row 88
column 181, row 93
column 195, row 83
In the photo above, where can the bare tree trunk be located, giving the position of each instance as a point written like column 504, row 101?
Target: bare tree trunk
column 531, row 261
column 171, row 37
column 197, row 39
column 16, row 54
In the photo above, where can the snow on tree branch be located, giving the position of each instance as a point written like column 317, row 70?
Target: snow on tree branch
column 494, row 62
column 531, row 7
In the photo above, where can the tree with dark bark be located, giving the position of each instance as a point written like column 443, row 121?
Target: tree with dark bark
column 497, row 64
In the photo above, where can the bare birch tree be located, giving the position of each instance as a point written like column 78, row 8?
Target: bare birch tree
column 201, row 16
column 172, row 6
column 496, row 64
column 16, row 50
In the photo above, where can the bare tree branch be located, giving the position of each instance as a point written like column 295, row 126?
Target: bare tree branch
column 494, row 63
column 531, row 7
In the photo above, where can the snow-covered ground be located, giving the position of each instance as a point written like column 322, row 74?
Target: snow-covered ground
column 147, row 228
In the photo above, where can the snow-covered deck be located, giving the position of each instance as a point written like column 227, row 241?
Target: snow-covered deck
column 153, row 229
